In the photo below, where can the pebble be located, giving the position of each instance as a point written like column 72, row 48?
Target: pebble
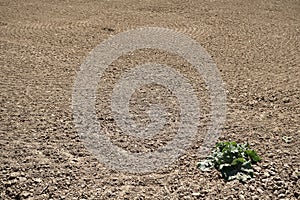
column 25, row 194
column 264, row 180
column 14, row 175
column 242, row 197
column 255, row 197
column 281, row 195
column 37, row 180
column 265, row 165
column 260, row 190
column 257, row 168
column 266, row 174
column 277, row 178
column 22, row 179
column 272, row 173
column 294, row 177
column 286, row 100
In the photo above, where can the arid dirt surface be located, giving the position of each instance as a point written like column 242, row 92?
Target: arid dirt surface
column 254, row 43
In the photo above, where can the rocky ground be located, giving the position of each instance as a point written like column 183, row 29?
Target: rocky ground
column 255, row 45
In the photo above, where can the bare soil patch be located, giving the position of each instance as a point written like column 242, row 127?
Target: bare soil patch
column 255, row 45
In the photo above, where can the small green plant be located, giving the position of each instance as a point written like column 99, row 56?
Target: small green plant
column 233, row 160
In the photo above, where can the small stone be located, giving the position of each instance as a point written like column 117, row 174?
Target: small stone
column 14, row 175
column 266, row 174
column 264, row 180
column 253, row 102
column 272, row 173
column 37, row 180
column 286, row 100
column 10, row 182
column 279, row 183
column 196, row 194
column 281, row 195
column 241, row 197
column 277, row 178
column 252, row 188
column 25, row 194
column 9, row 190
column 22, row 179
column 295, row 175
column 257, row 168
column 260, row 190
column 287, row 139
column 265, row 165
column 255, row 197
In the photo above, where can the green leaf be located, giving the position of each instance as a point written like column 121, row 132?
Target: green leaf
column 252, row 154
column 247, row 164
column 238, row 161
column 233, row 160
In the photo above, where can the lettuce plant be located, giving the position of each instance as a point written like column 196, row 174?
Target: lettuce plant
column 233, row 160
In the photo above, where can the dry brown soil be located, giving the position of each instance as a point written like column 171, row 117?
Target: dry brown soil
column 255, row 44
